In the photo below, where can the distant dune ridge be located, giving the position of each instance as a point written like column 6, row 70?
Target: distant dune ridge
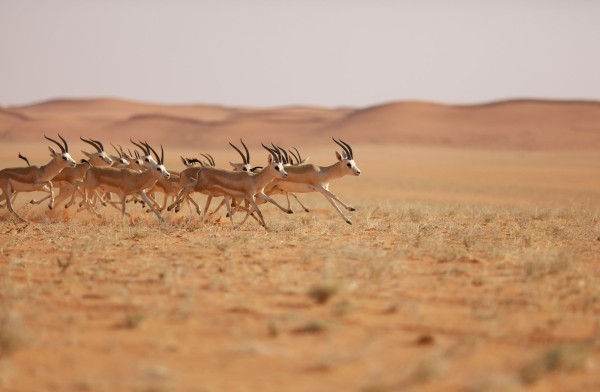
column 513, row 124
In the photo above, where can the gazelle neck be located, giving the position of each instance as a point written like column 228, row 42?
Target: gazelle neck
column 52, row 168
column 332, row 172
column 149, row 177
column 265, row 176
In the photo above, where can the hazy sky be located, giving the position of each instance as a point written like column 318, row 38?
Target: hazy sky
column 273, row 53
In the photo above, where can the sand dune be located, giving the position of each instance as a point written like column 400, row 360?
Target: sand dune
column 515, row 124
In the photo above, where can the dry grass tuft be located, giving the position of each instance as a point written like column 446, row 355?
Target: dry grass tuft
column 322, row 293
column 563, row 358
column 12, row 335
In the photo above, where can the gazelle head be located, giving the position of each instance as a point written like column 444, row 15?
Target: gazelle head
column 147, row 159
column 99, row 154
column 245, row 165
column 159, row 166
column 120, row 159
column 276, row 161
column 64, row 152
column 347, row 157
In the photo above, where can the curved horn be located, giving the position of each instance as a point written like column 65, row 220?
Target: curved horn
column 239, row 151
column 162, row 155
column 62, row 148
column 297, row 157
column 118, row 152
column 92, row 143
column 282, row 157
column 212, row 160
column 153, row 151
column 247, row 152
column 343, row 147
column 144, row 149
column 284, row 152
column 99, row 143
column 349, row 149
column 209, row 158
column 270, row 151
column 64, row 141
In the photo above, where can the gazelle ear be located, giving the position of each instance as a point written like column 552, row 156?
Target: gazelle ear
column 234, row 165
column 53, row 153
column 339, row 157
column 87, row 154
column 270, row 158
column 305, row 160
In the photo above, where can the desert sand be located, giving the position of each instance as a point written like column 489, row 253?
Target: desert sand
column 471, row 264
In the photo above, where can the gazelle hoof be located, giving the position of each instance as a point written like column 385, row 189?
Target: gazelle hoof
column 306, row 210
column 290, row 211
column 50, row 207
column 349, row 222
column 351, row 209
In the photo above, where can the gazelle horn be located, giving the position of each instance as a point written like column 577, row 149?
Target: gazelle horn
column 62, row 148
column 92, row 143
column 240, row 152
column 247, row 152
column 344, row 148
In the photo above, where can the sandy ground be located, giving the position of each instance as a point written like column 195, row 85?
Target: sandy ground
column 465, row 269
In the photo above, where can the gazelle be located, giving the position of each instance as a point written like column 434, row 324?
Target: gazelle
column 120, row 160
column 36, row 175
column 289, row 161
column 68, row 179
column 243, row 184
column 125, row 182
column 19, row 187
column 312, row 178
column 189, row 176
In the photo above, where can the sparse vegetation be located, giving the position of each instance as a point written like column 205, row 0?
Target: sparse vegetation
column 419, row 293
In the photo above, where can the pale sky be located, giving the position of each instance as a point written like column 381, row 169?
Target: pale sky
column 276, row 53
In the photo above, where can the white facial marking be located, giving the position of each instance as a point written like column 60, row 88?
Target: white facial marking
column 67, row 157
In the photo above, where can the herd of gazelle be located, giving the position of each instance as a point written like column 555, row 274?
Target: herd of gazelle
column 140, row 176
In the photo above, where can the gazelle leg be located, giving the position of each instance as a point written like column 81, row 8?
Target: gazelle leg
column 208, row 200
column 7, row 190
column 263, row 196
column 287, row 197
column 258, row 212
column 177, row 201
column 75, row 192
column 334, row 197
column 219, row 207
column 327, row 194
column 51, row 205
column 299, row 202
column 148, row 202
column 227, row 201
column 191, row 200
